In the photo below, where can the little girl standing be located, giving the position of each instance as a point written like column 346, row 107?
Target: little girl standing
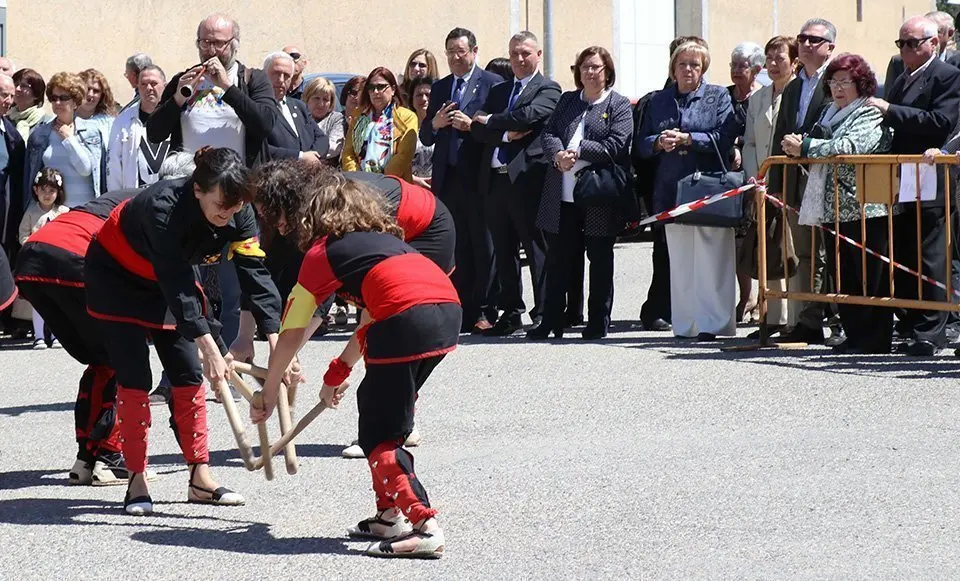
column 49, row 195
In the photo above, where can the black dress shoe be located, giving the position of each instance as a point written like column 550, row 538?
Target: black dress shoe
column 706, row 337
column 504, row 327
column 801, row 334
column 593, row 332
column 918, row 349
column 771, row 331
column 656, row 325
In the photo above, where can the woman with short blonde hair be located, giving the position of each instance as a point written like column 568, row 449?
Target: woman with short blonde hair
column 320, row 97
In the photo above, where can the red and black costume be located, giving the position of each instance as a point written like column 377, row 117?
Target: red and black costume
column 417, row 320
column 142, row 281
column 427, row 227
column 50, row 275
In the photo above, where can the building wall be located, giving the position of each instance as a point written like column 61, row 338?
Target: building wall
column 335, row 34
column 729, row 22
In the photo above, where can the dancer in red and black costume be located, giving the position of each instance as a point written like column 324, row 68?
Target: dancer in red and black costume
column 141, row 282
column 50, row 275
column 411, row 321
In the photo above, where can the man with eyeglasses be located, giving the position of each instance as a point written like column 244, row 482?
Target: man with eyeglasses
column 218, row 103
column 454, row 100
column 923, row 109
column 800, row 105
column 300, row 62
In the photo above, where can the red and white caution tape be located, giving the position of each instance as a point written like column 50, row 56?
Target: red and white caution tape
column 696, row 205
column 776, row 201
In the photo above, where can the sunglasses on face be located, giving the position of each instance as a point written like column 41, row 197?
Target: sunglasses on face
column 913, row 43
column 377, row 87
column 60, row 98
column 811, row 39
column 353, row 92
column 295, row 56
column 418, row 65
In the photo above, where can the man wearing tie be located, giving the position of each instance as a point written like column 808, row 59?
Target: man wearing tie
column 454, row 100
column 512, row 176
column 295, row 134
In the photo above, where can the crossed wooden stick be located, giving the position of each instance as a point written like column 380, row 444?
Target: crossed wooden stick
column 287, row 433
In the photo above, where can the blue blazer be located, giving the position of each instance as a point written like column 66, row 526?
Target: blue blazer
column 11, row 185
column 705, row 114
column 474, row 96
column 283, row 143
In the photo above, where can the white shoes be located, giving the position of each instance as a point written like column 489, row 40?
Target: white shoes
column 39, row 345
column 354, row 450
column 386, row 524
column 81, row 474
column 430, row 546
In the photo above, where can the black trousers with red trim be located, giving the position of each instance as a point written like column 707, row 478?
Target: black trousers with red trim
column 127, row 347
column 64, row 310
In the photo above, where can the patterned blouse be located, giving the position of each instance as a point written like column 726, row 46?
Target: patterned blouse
column 862, row 133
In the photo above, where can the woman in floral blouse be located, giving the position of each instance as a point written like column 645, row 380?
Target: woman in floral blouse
column 849, row 127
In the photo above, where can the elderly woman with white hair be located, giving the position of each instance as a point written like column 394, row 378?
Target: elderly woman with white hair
column 746, row 60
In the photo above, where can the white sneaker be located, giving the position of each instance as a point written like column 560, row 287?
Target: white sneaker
column 39, row 345
column 429, row 546
column 413, row 440
column 81, row 474
column 386, row 524
column 55, row 344
column 353, row 451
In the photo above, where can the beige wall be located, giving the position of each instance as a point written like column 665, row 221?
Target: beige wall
column 732, row 21
column 334, row 34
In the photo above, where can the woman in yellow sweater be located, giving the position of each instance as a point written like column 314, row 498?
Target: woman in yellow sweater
column 383, row 137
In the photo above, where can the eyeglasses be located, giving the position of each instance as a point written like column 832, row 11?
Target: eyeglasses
column 591, row 69
column 460, row 53
column 217, row 45
column 811, row 39
column 353, row 92
column 417, row 65
column 60, row 98
column 377, row 88
column 913, row 43
column 844, row 84
column 295, row 56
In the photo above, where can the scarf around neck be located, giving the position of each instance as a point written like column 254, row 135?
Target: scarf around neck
column 27, row 119
column 373, row 140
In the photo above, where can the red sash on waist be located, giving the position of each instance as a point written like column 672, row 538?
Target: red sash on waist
column 113, row 240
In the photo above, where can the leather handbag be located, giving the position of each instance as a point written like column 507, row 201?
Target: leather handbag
column 602, row 184
column 701, row 184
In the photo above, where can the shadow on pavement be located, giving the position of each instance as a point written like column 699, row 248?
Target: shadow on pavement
column 66, row 406
column 32, row 478
column 254, row 539
column 231, row 457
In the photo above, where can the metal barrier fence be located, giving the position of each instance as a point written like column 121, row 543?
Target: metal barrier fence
column 877, row 182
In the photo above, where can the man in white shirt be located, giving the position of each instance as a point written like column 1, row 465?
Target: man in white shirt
column 132, row 160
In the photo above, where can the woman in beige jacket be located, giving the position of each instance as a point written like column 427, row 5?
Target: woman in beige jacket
column 762, row 112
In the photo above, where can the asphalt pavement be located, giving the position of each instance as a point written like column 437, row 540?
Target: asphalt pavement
column 636, row 457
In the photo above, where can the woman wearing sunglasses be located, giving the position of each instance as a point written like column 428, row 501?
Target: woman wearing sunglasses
column 382, row 137
column 67, row 143
column 421, row 64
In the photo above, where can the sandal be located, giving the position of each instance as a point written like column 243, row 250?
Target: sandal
column 137, row 506
column 429, row 547
column 222, row 496
column 378, row 527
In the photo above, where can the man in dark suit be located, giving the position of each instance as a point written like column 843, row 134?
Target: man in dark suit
column 454, row 100
column 923, row 109
column 511, row 176
column 295, row 134
column 12, row 153
column 945, row 32
column 800, row 106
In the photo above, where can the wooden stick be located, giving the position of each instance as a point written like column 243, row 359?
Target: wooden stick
column 301, row 425
column 236, row 424
column 888, row 302
column 266, row 457
column 241, row 386
column 250, row 369
column 286, row 421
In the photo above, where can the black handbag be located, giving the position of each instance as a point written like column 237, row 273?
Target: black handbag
column 603, row 184
column 701, row 184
